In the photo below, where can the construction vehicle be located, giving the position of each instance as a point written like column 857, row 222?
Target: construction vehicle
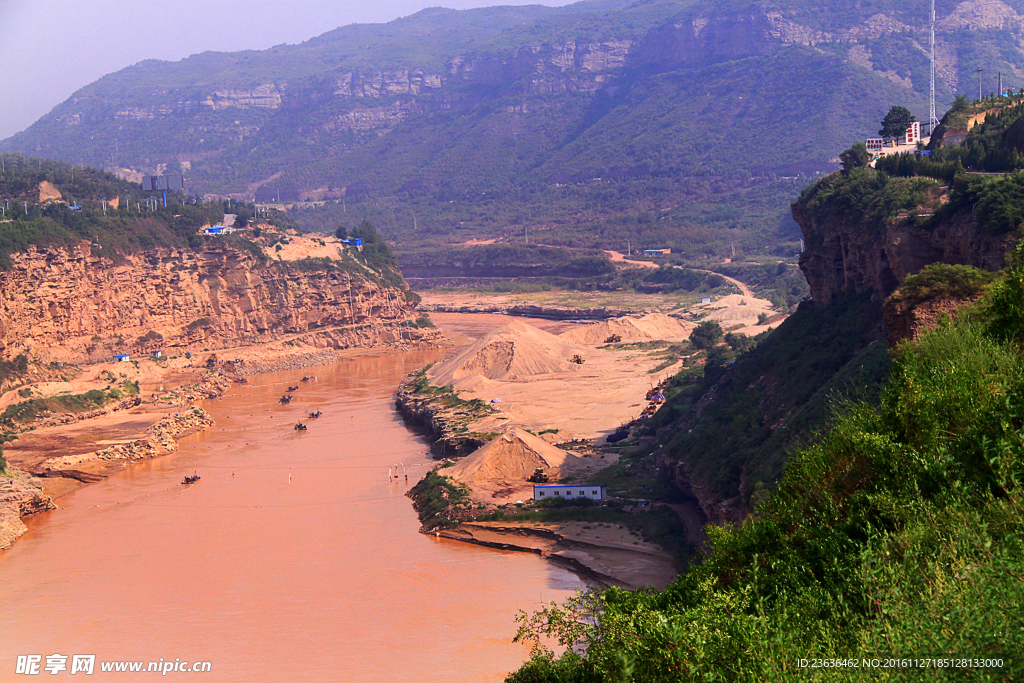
column 613, row 339
column 538, row 477
column 577, row 359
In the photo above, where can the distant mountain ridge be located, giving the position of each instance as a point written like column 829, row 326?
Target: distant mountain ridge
column 433, row 109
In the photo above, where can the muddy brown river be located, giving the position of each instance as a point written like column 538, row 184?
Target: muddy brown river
column 292, row 559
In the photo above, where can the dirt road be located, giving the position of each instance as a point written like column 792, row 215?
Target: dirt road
column 618, row 257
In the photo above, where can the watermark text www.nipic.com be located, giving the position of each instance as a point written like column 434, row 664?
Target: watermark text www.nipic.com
column 35, row 665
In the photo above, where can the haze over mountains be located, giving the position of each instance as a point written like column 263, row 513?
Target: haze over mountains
column 695, row 116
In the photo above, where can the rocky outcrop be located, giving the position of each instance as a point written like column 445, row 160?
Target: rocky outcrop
column 907, row 320
column 851, row 253
column 20, row 495
column 160, row 440
column 441, row 424
column 74, row 306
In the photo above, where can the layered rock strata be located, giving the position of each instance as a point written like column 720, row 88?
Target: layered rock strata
column 69, row 305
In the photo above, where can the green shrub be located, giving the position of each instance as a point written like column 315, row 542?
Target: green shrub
column 899, row 533
column 943, row 280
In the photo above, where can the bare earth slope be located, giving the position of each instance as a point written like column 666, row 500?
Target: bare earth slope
column 512, row 457
column 512, row 352
column 632, row 329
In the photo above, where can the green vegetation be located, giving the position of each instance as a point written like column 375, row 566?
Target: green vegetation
column 896, row 122
column 434, row 495
column 480, row 156
column 942, row 281
column 504, row 260
column 33, row 409
column 899, row 533
column 855, row 157
column 447, row 397
column 12, row 369
column 781, row 283
column 706, row 335
column 87, row 212
column 774, row 396
column 867, row 196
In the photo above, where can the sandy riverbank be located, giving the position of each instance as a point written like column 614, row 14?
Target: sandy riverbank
column 607, row 554
column 529, row 396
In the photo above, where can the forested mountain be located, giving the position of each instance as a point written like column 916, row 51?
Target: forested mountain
column 677, row 122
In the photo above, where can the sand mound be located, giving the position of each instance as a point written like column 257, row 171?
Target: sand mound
column 513, row 351
column 740, row 301
column 512, row 457
column 737, row 309
column 632, row 329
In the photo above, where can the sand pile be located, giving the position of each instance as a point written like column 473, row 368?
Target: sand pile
column 511, row 458
column 513, row 351
column 632, row 329
column 736, row 308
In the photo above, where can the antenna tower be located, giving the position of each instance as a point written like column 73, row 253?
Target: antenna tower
column 933, row 120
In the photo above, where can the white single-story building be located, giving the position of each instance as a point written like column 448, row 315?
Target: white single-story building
column 705, row 299
column 121, row 358
column 560, row 491
column 657, row 252
column 156, row 353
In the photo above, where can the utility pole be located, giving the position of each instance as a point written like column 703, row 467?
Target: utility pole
column 1000, row 91
column 933, row 120
column 979, row 83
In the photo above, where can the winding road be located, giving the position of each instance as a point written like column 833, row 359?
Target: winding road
column 618, row 257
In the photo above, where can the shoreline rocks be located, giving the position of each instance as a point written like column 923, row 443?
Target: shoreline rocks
column 20, row 496
column 425, row 415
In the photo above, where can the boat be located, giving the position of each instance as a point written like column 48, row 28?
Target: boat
column 295, row 388
column 300, row 427
column 190, row 479
column 306, row 378
column 286, row 398
column 316, row 413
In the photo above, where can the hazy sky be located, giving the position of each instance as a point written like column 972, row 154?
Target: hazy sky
column 51, row 48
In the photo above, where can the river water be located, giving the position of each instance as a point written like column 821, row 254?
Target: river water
column 293, row 559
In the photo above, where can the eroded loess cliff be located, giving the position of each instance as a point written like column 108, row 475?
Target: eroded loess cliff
column 72, row 306
column 863, row 243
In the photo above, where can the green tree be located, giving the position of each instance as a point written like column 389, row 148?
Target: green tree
column 738, row 342
column 896, row 122
column 706, row 335
column 855, row 157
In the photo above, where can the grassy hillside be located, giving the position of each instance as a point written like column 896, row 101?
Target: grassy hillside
column 50, row 203
column 735, row 443
column 899, row 534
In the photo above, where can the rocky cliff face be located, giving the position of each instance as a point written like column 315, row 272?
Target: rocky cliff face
column 844, row 253
column 20, row 496
column 72, row 306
